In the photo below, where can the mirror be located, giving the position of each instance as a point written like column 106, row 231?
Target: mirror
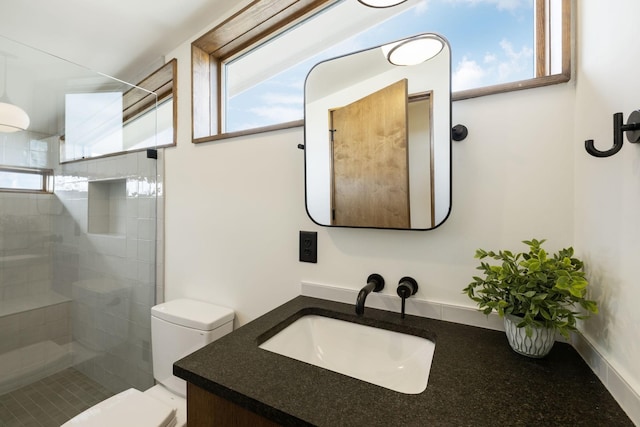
column 373, row 159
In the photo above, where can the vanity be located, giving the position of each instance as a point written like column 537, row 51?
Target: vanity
column 475, row 379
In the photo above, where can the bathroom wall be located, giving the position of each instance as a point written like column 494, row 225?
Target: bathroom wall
column 607, row 194
column 235, row 206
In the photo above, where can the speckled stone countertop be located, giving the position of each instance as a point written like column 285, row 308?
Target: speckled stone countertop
column 475, row 379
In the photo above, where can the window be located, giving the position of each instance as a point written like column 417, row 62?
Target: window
column 248, row 73
column 102, row 123
column 28, row 180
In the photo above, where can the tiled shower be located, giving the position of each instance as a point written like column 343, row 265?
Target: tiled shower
column 79, row 268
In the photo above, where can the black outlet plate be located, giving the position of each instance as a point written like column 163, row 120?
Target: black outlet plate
column 309, row 246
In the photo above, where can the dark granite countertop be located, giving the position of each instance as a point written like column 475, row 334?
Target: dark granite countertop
column 475, row 379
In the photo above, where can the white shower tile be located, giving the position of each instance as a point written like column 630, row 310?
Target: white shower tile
column 132, row 207
column 130, row 269
column 131, row 248
column 15, row 292
column 146, row 250
column 146, row 229
column 146, row 272
column 146, row 208
column 132, row 187
column 38, row 145
column 11, row 363
column 56, row 312
column 132, row 227
column 38, row 159
column 32, row 335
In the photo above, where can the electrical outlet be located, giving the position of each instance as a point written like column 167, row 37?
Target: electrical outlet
column 308, row 246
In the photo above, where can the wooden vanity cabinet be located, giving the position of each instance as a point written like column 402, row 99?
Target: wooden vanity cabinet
column 205, row 409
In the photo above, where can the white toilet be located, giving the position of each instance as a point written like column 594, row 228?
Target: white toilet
column 178, row 328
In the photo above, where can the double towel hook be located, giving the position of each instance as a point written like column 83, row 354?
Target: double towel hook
column 633, row 135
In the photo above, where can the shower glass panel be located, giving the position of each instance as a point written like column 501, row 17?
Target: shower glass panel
column 79, row 262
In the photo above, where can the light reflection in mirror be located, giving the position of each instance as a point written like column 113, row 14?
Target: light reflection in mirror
column 413, row 51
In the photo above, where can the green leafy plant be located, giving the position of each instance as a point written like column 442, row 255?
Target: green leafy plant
column 543, row 290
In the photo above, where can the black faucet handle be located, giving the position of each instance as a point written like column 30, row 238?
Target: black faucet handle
column 407, row 287
column 378, row 280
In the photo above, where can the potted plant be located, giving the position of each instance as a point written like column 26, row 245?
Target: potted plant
column 536, row 294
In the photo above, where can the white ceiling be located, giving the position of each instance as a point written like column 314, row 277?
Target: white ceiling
column 121, row 38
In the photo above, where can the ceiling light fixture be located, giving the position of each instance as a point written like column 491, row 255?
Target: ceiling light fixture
column 12, row 117
column 414, row 50
column 381, row 3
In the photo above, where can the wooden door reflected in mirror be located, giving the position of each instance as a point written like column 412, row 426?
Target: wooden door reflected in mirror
column 370, row 160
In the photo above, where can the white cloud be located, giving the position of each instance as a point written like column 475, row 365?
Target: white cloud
column 490, row 58
column 273, row 107
column 515, row 62
column 279, row 98
column 468, row 74
column 421, row 7
column 277, row 114
column 504, row 65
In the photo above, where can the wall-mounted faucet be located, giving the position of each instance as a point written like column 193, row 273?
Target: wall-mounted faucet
column 407, row 287
column 375, row 283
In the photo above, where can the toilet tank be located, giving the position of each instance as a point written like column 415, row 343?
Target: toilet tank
column 179, row 328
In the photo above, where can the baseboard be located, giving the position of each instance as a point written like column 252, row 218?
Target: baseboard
column 626, row 397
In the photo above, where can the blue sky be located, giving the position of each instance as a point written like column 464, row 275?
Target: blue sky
column 491, row 42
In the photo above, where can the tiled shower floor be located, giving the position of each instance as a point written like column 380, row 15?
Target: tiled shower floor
column 51, row 401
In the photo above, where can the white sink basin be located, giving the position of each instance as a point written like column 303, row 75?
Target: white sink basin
column 394, row 360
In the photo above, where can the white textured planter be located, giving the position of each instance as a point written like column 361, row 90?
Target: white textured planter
column 537, row 345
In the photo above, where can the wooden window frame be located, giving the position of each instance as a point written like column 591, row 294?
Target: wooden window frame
column 162, row 83
column 255, row 23
column 45, row 174
column 262, row 19
column 541, row 58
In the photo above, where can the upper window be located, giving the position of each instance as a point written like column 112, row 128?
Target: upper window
column 250, row 84
column 102, row 123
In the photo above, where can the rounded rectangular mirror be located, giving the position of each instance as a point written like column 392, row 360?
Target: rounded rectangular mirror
column 378, row 137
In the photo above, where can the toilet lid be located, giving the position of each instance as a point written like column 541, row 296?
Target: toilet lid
column 129, row 408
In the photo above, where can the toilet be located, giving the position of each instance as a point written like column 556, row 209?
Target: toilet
column 178, row 328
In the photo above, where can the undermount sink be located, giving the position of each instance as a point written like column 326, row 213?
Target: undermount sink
column 394, row 360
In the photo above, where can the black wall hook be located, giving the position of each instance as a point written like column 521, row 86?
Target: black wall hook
column 632, row 126
column 459, row 132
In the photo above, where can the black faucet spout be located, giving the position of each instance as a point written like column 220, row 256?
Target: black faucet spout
column 362, row 297
column 375, row 283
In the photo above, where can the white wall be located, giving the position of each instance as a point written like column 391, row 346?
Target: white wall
column 234, row 207
column 607, row 213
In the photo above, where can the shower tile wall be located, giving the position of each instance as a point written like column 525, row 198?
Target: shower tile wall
column 110, row 271
column 25, row 241
column 25, row 222
column 35, row 329
column 48, row 257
